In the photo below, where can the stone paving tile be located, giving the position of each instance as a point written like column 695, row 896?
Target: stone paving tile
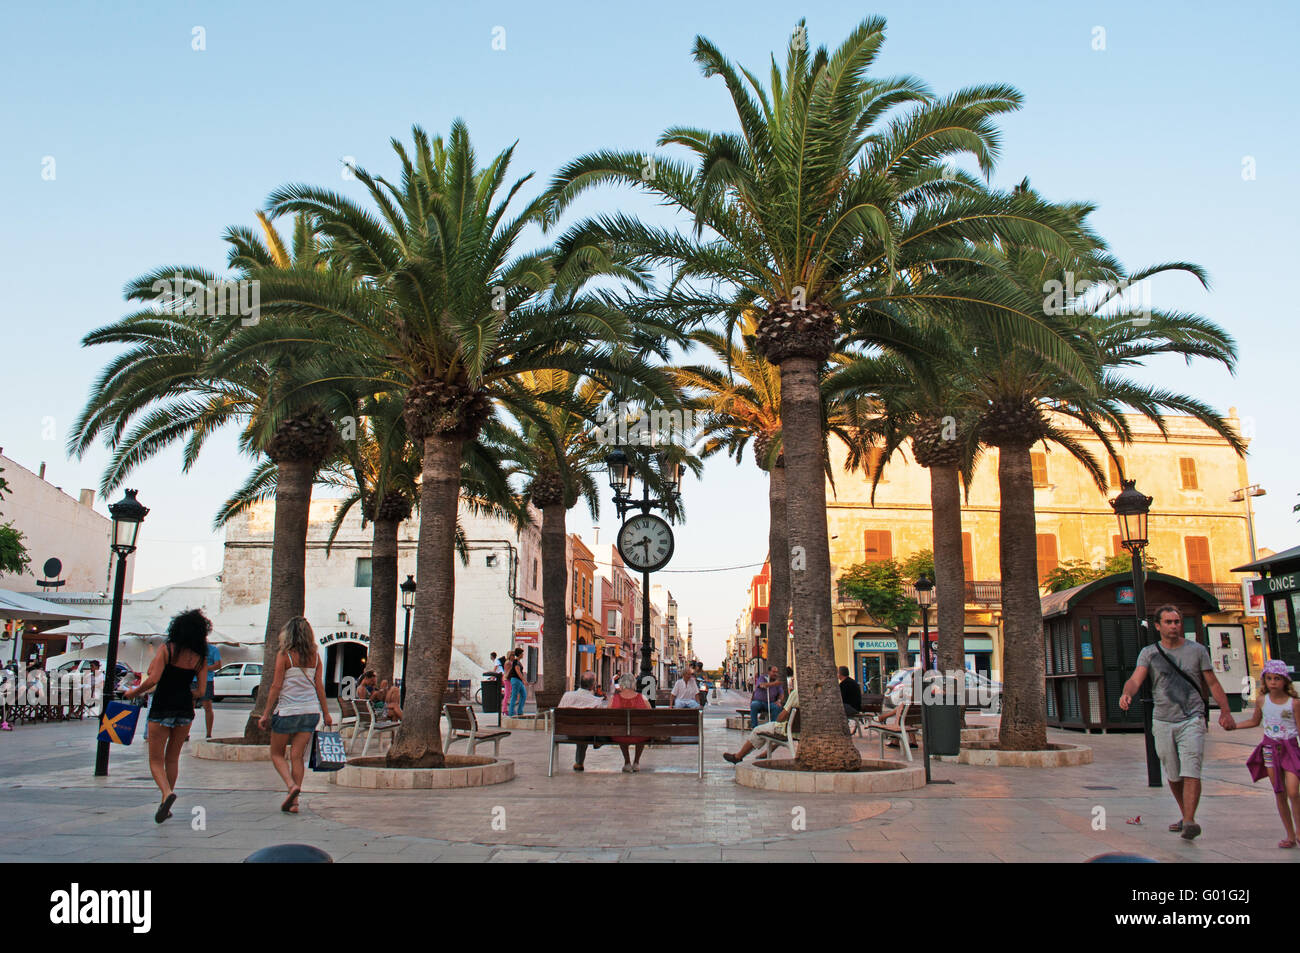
column 51, row 806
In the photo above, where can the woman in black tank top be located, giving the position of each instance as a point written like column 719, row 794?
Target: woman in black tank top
column 174, row 667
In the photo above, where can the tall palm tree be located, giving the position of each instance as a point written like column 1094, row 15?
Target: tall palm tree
column 1026, row 402
column 166, row 388
column 447, row 313
column 817, row 213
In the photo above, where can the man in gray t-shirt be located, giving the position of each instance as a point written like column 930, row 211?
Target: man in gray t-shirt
column 1177, row 667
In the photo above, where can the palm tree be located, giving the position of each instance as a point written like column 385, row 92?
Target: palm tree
column 818, row 211
column 447, row 315
column 165, row 387
column 1025, row 401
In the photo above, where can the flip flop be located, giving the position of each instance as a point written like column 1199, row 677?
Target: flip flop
column 1191, row 831
column 291, row 801
column 1176, row 827
column 1286, row 843
column 165, row 808
column 293, row 809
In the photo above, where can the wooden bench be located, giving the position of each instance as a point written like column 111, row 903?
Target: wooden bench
column 911, row 724
column 788, row 740
column 663, row 726
column 347, row 717
column 368, row 722
column 462, row 725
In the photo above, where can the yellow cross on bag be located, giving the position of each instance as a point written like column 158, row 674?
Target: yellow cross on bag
column 109, row 725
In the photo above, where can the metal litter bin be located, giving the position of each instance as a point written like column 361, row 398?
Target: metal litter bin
column 490, row 691
column 944, row 729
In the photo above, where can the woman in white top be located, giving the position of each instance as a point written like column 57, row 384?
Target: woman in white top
column 297, row 701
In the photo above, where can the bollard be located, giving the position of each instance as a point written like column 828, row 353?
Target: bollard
column 289, row 854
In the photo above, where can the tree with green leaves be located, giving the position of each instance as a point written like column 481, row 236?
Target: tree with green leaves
column 440, row 308
column 14, row 558
column 827, row 214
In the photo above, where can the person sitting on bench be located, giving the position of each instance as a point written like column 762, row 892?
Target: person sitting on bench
column 583, row 697
column 757, row 737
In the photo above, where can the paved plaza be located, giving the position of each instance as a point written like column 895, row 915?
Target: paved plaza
column 53, row 809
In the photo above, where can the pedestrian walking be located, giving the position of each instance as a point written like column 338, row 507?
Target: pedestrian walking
column 297, row 700
column 515, row 676
column 177, row 669
column 205, row 697
column 1277, row 756
column 1181, row 673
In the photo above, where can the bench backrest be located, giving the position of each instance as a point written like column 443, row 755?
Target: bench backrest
column 348, row 707
column 462, row 718
column 627, row 722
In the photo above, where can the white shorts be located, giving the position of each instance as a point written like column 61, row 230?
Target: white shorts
column 1181, row 746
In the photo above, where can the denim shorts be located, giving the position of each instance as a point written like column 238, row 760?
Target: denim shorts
column 293, row 724
column 172, row 722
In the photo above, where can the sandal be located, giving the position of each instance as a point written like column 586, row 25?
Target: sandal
column 1191, row 831
column 1286, row 843
column 291, row 802
column 1176, row 827
column 165, row 808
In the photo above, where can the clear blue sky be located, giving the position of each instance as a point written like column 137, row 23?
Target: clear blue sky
column 157, row 147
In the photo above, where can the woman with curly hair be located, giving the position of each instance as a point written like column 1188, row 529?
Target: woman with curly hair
column 297, row 700
column 177, row 669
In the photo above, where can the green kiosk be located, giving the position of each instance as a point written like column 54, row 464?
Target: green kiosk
column 1280, row 590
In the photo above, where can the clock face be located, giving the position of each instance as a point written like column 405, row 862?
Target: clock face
column 646, row 543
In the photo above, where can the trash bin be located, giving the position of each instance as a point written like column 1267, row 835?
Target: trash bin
column 944, row 729
column 491, row 693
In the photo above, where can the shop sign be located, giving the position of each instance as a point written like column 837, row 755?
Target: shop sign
column 329, row 638
column 1124, row 595
column 875, row 645
column 1272, row 584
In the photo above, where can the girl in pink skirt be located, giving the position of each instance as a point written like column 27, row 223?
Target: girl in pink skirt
column 1278, row 754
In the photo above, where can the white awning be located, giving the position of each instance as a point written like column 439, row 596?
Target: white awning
column 14, row 605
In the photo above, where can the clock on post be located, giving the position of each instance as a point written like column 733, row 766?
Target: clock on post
column 646, row 542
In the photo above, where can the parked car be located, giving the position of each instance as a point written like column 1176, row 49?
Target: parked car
column 239, row 679
column 979, row 690
column 126, row 675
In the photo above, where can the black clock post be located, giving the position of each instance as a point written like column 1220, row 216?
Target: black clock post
column 620, row 480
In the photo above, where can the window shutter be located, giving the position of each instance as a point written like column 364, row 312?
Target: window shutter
column 1038, row 463
column 1118, row 545
column 1046, row 555
column 1115, row 468
column 1187, row 467
column 1198, row 559
column 967, row 560
column 879, row 545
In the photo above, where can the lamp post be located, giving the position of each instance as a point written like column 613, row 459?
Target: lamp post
column 924, row 599
column 1244, row 494
column 1131, row 509
column 127, row 514
column 621, row 481
column 408, row 603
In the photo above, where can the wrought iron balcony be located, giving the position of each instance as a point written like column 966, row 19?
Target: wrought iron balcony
column 985, row 592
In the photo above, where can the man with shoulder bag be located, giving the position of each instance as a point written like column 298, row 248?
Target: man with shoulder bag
column 1181, row 678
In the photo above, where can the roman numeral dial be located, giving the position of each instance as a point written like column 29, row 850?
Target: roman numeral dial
column 646, row 543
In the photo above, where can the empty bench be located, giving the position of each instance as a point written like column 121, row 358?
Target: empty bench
column 462, row 725
column 663, row 726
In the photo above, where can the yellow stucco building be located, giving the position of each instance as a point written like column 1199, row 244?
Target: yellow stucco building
column 1197, row 533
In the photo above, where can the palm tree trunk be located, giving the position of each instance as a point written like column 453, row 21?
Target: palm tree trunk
column 1024, row 713
column 288, row 575
column 555, row 572
column 824, row 743
column 778, row 548
column 383, row 599
column 418, row 743
column 949, row 570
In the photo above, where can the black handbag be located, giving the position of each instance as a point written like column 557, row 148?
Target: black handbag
column 327, row 751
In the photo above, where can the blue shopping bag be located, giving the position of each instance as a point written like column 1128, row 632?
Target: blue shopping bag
column 327, row 751
column 117, row 724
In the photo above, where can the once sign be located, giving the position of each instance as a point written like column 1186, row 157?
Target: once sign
column 1287, row 583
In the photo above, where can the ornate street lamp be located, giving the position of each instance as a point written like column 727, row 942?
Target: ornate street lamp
column 924, row 598
column 127, row 515
column 645, row 543
column 408, row 603
column 1131, row 509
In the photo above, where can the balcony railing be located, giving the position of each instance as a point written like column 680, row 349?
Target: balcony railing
column 978, row 592
column 1228, row 594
